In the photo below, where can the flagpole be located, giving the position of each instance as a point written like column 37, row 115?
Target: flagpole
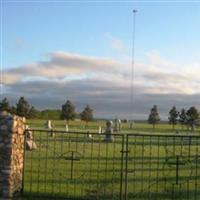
column 133, row 68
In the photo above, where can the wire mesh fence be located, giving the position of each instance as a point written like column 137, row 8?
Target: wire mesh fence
column 80, row 165
column 74, row 166
column 163, row 167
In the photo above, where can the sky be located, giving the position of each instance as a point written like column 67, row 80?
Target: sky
column 53, row 51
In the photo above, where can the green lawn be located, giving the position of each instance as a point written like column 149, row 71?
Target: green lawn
column 94, row 127
column 156, row 167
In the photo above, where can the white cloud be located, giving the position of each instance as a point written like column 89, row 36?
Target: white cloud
column 158, row 75
column 104, row 81
column 63, row 66
column 165, row 76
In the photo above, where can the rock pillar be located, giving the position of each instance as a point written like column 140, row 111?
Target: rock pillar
column 12, row 135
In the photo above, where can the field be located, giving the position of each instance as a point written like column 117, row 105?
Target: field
column 141, row 163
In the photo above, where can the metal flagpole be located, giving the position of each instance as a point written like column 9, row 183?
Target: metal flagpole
column 132, row 68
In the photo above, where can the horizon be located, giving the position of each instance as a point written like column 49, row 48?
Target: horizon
column 81, row 51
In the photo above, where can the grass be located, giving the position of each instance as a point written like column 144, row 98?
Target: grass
column 155, row 167
column 94, row 127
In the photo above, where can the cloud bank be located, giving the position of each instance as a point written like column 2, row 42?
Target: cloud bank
column 104, row 83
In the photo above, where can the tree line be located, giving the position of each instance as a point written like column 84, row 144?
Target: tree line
column 189, row 118
column 68, row 112
column 24, row 109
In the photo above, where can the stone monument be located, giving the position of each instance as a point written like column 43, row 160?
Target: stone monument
column 109, row 132
column 117, row 125
column 48, row 124
column 66, row 128
column 30, row 144
column 100, row 130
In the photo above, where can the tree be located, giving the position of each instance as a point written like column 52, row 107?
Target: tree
column 173, row 116
column 182, row 117
column 192, row 116
column 154, row 116
column 87, row 114
column 4, row 105
column 23, row 107
column 68, row 111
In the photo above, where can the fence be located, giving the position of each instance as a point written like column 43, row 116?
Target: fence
column 162, row 167
column 133, row 166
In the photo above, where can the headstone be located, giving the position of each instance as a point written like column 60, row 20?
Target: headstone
column 117, row 125
column 48, row 124
column 89, row 135
column 30, row 144
column 66, row 127
column 109, row 132
column 100, row 130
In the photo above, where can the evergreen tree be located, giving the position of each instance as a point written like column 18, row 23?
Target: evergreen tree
column 87, row 114
column 154, row 116
column 193, row 116
column 173, row 116
column 4, row 105
column 23, row 107
column 68, row 111
column 182, row 117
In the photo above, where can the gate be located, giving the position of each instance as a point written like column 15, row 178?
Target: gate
column 133, row 166
column 162, row 167
column 74, row 166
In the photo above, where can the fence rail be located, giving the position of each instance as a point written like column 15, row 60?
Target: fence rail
column 77, row 165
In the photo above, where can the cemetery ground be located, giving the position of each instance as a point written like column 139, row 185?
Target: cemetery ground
column 139, row 127
column 147, row 164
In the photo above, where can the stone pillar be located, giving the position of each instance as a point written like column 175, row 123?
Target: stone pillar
column 12, row 134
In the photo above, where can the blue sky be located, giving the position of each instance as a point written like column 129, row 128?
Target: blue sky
column 37, row 34
column 81, row 28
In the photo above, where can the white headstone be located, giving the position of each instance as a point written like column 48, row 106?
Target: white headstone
column 117, row 125
column 100, row 130
column 48, row 124
column 66, row 128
